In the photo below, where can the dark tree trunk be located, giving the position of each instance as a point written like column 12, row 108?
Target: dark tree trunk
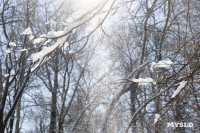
column 17, row 128
column 53, row 113
column 54, row 98
column 2, row 126
column 60, row 127
column 178, row 117
column 11, row 123
column 133, row 95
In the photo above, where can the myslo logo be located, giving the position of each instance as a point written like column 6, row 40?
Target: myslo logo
column 179, row 124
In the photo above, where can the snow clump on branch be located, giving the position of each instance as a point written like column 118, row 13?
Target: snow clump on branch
column 161, row 64
column 142, row 81
column 180, row 87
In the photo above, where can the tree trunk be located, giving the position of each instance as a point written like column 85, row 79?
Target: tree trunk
column 133, row 99
column 60, row 126
column 53, row 113
column 2, row 126
column 17, row 128
column 11, row 123
column 178, row 116
column 54, row 98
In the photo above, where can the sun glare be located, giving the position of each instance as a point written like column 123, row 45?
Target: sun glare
column 88, row 4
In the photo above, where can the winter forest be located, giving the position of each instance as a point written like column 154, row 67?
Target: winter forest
column 99, row 66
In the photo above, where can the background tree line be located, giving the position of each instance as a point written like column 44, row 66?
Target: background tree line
column 85, row 84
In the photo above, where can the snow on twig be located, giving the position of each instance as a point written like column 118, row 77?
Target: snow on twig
column 161, row 64
column 143, row 81
column 157, row 117
column 180, row 87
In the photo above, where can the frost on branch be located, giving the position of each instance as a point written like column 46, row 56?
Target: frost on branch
column 78, row 18
column 157, row 117
column 54, row 34
column 41, row 39
column 31, row 37
column 21, row 50
column 142, row 81
column 47, row 42
column 161, row 64
column 6, row 75
column 27, row 32
column 64, row 46
column 47, row 50
column 72, row 52
column 8, row 51
column 180, row 87
column 13, row 44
